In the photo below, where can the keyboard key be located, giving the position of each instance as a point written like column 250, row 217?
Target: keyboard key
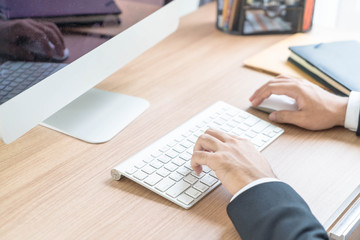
column 258, row 141
column 265, row 138
column 212, row 173
column 213, row 126
column 171, row 154
column 164, row 184
column 201, row 124
column 179, row 138
column 190, row 151
column 238, row 132
column 251, row 121
column 186, row 199
column 177, row 189
column 164, row 148
column 277, row 129
column 190, row 179
column 220, row 121
column 184, row 171
column 198, row 176
column 193, row 129
column 186, row 144
column 226, row 128
column 199, row 133
column 131, row 170
column 206, row 169
column 171, row 167
column 186, row 134
column 176, row 176
column 243, row 114
column 172, row 143
column 225, row 117
column 272, row 134
column 232, row 124
column 156, row 164
column 207, row 120
column 251, row 134
column 164, row 159
column 163, row 172
column 140, row 164
column 260, row 126
column 153, row 179
column 178, row 161
column 156, row 154
column 193, row 192
column 179, row 148
column 149, row 169
column 193, row 138
column 140, row 175
column 200, row 186
column 243, row 127
column 246, row 137
column 148, row 159
column 214, row 116
column 208, row 180
column 238, row 119
column 188, row 165
column 186, row 156
column 232, row 112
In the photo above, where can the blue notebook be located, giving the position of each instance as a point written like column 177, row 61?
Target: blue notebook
column 336, row 65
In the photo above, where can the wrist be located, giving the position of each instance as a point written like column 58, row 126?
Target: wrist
column 240, row 179
column 340, row 111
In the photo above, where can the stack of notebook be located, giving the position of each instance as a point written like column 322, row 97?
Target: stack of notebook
column 334, row 65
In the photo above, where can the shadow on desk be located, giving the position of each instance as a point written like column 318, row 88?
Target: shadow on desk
column 212, row 208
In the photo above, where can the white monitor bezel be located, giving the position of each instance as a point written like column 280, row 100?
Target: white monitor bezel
column 26, row 110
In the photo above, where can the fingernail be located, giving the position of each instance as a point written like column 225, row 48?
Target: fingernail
column 272, row 116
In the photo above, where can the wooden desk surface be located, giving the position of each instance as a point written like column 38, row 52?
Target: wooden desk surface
column 55, row 187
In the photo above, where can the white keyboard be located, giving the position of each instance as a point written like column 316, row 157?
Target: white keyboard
column 164, row 166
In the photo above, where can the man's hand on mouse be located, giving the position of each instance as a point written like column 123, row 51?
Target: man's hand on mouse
column 235, row 161
column 318, row 109
column 14, row 33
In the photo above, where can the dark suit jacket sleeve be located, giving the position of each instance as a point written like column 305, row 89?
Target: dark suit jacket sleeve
column 273, row 211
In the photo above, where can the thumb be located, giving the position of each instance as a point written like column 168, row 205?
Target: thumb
column 291, row 117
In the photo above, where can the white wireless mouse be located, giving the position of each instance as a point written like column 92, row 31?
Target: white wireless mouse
column 277, row 103
column 37, row 49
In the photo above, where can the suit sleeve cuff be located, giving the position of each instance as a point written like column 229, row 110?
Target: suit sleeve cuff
column 253, row 184
column 352, row 111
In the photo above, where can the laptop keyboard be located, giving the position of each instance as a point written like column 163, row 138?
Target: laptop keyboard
column 16, row 77
column 164, row 166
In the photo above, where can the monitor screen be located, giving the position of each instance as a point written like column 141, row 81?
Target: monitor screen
column 52, row 54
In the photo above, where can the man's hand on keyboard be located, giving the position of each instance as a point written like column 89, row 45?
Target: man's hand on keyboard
column 318, row 109
column 235, row 161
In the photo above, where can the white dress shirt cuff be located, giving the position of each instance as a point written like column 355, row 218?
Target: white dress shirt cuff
column 352, row 111
column 253, row 184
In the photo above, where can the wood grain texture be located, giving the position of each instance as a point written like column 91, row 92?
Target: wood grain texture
column 56, row 187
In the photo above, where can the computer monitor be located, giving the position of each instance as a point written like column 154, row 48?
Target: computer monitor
column 66, row 100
